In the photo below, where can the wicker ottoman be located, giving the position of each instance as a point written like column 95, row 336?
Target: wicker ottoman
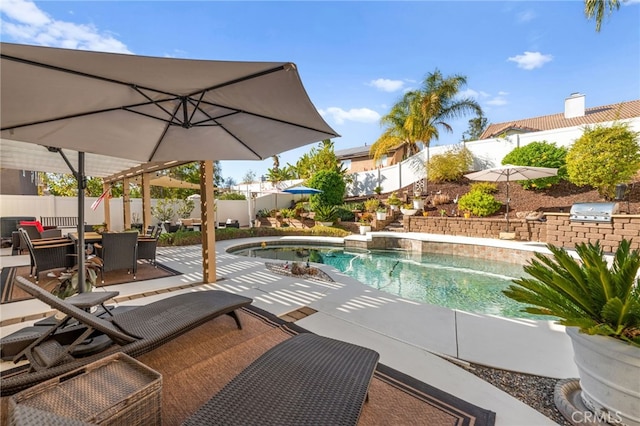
column 115, row 390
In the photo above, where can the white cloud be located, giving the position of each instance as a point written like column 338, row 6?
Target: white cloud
column 361, row 115
column 531, row 60
column 25, row 23
column 387, row 85
column 526, row 16
column 497, row 101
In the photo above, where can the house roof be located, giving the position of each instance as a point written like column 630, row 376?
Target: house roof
column 619, row 111
column 360, row 151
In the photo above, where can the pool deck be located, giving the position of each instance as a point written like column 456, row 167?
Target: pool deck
column 407, row 334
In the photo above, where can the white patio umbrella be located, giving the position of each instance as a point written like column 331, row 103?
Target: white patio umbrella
column 510, row 172
column 151, row 109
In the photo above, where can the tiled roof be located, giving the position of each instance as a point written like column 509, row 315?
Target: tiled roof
column 619, row 111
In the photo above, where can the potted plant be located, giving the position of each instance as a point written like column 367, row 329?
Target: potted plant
column 68, row 281
column 418, row 203
column 164, row 211
column 407, row 209
column 371, row 205
column 325, row 214
column 365, row 222
column 600, row 306
column 394, row 201
column 381, row 213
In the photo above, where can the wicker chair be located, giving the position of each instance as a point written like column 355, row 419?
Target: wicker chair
column 53, row 254
column 147, row 246
column 118, row 250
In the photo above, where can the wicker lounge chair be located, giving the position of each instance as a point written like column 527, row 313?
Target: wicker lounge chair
column 147, row 246
column 135, row 331
column 308, row 379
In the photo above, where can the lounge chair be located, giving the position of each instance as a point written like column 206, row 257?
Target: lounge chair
column 307, row 379
column 135, row 331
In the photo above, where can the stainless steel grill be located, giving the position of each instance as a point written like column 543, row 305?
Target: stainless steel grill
column 593, row 212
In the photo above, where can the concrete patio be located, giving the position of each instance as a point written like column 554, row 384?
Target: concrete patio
column 407, row 334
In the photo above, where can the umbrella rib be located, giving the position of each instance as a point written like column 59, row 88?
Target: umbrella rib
column 245, row 78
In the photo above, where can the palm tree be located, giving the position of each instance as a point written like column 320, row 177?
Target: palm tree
column 420, row 115
column 596, row 8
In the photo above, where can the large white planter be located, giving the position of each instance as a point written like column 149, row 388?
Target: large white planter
column 418, row 204
column 408, row 212
column 609, row 376
column 381, row 215
column 364, row 229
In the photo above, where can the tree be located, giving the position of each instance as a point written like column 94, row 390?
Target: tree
column 477, row 126
column 597, row 9
column 249, row 177
column 604, row 157
column 332, row 185
column 420, row 115
column 322, row 157
column 66, row 185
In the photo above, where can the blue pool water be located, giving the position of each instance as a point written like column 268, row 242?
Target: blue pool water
column 457, row 282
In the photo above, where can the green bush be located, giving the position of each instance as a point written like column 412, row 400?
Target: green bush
column 232, row 196
column 484, row 187
column 371, row 205
column 539, row 154
column 345, row 214
column 479, row 203
column 326, row 213
column 332, row 185
column 604, row 157
column 450, row 165
column 288, row 213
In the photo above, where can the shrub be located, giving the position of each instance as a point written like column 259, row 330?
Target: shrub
column 354, row 206
column 326, row 213
column 288, row 213
column 263, row 213
column 604, row 157
column 484, row 187
column 539, row 154
column 332, row 185
column 479, row 203
column 371, row 205
column 232, row 196
column 163, row 210
column 450, row 165
column 345, row 214
column 393, row 200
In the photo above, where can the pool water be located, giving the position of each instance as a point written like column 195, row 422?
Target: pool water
column 456, row 282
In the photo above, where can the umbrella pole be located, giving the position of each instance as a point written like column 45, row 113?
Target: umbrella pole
column 81, row 249
column 508, row 227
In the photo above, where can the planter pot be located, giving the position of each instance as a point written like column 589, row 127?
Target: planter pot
column 381, row 215
column 418, row 204
column 609, row 372
column 408, row 212
column 394, row 208
column 364, row 229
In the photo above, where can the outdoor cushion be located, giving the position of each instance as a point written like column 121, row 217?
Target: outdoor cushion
column 35, row 223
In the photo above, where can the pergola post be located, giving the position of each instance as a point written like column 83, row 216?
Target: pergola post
column 207, row 208
column 146, row 202
column 126, row 203
column 106, row 204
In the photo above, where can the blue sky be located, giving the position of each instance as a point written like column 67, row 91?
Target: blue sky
column 521, row 59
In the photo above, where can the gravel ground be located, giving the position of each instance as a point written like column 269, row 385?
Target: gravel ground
column 535, row 391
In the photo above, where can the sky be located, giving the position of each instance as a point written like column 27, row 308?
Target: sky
column 356, row 58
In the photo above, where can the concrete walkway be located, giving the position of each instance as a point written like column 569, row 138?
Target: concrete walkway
column 407, row 334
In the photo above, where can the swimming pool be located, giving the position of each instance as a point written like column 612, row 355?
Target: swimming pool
column 456, row 282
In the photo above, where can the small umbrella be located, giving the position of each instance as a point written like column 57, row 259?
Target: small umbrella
column 508, row 173
column 302, row 190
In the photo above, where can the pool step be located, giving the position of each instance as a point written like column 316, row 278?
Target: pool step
column 395, row 226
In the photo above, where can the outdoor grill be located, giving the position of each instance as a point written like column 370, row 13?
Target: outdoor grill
column 593, row 212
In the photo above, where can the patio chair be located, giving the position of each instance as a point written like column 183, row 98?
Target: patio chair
column 147, row 246
column 134, row 332
column 118, row 250
column 52, row 254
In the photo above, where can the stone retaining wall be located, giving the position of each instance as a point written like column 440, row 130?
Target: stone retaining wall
column 557, row 230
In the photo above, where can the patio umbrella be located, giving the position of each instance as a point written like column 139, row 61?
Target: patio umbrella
column 302, row 190
column 152, row 109
column 508, row 173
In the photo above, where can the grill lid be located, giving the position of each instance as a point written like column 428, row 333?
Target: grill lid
column 593, row 212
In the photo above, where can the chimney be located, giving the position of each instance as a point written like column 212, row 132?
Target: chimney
column 574, row 106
